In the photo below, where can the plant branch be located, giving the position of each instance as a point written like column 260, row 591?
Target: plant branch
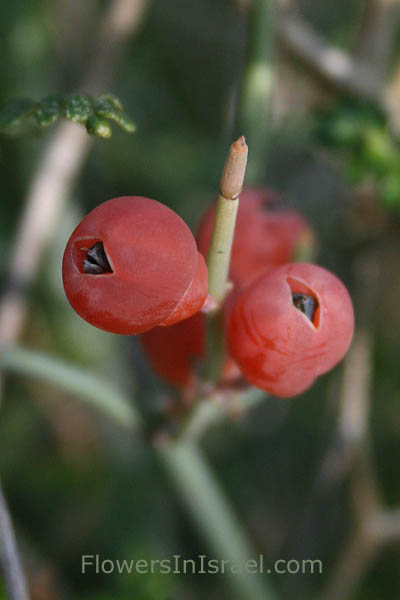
column 10, row 561
column 97, row 392
column 185, row 464
column 335, row 67
column 215, row 408
column 212, row 514
column 377, row 35
column 255, row 93
column 353, row 437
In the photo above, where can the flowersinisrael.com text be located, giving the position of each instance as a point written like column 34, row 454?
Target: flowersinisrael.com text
column 200, row 564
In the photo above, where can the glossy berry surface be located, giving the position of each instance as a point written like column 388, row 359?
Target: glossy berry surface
column 132, row 264
column 290, row 326
column 266, row 235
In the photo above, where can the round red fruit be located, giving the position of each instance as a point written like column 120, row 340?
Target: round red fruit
column 266, row 235
column 132, row 264
column 176, row 352
column 290, row 326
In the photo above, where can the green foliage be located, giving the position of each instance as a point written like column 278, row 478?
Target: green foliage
column 92, row 113
column 77, row 108
column 109, row 107
column 48, row 110
column 12, row 114
column 360, row 135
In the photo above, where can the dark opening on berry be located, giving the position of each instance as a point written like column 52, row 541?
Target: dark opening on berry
column 306, row 304
column 96, row 261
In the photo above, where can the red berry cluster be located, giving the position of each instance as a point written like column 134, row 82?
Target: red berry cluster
column 132, row 266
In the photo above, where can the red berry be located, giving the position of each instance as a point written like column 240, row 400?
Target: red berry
column 266, row 235
column 174, row 352
column 290, row 326
column 132, row 264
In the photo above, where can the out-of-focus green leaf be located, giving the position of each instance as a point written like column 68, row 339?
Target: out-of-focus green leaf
column 126, row 123
column 97, row 126
column 359, row 135
column 14, row 112
column 109, row 107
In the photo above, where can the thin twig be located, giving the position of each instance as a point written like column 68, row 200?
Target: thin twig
column 231, row 185
column 48, row 192
column 95, row 390
column 374, row 525
column 377, row 35
column 10, row 562
column 333, row 66
column 255, row 94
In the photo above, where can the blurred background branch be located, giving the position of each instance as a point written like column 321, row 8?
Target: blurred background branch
column 49, row 190
column 336, row 68
column 9, row 556
column 58, row 170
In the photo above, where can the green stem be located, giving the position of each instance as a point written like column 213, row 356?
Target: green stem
column 213, row 515
column 212, row 410
column 255, row 94
column 219, row 254
column 89, row 386
column 220, row 247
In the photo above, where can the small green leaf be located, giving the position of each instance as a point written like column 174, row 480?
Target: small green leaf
column 109, row 107
column 97, row 126
column 14, row 112
column 111, row 100
column 48, row 110
column 77, row 108
column 126, row 123
column 105, row 109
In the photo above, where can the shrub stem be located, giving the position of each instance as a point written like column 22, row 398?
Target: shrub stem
column 225, row 218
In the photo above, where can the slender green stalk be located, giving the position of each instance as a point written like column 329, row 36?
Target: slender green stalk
column 255, row 94
column 212, row 410
column 219, row 255
column 89, row 386
column 10, row 562
column 213, row 515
